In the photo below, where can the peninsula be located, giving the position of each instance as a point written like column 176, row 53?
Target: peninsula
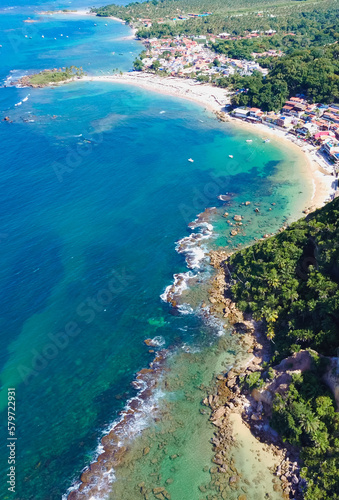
column 50, row 77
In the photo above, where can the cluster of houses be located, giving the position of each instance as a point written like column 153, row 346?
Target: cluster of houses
column 317, row 124
column 248, row 35
column 181, row 55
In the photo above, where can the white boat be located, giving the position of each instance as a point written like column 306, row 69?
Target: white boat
column 190, row 159
column 42, row 36
column 248, row 140
column 266, row 140
column 231, row 156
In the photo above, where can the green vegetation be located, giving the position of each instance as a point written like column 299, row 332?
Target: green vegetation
column 254, row 381
column 314, row 73
column 304, row 18
column 291, row 282
column 306, row 417
column 137, row 65
column 48, row 76
column 307, row 33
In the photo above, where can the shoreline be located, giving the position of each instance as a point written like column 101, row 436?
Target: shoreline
column 78, row 12
column 214, row 99
column 237, row 412
column 83, row 12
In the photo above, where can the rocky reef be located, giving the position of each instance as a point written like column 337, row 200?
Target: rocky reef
column 232, row 396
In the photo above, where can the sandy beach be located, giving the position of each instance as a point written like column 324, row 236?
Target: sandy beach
column 84, row 12
column 214, row 99
column 78, row 12
column 311, row 167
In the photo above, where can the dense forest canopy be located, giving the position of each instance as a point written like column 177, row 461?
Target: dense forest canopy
column 227, row 16
column 313, row 73
column 291, row 282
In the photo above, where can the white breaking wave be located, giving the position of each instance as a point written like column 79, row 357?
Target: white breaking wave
column 196, row 258
column 141, row 412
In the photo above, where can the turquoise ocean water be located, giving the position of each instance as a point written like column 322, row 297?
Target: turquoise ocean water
column 96, row 189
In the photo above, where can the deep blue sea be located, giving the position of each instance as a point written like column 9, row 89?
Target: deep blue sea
column 95, row 191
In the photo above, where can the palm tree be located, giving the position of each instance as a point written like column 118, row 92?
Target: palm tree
column 310, row 423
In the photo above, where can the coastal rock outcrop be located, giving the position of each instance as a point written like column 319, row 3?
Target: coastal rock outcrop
column 232, row 395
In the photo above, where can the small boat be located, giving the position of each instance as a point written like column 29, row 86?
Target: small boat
column 190, row 159
column 42, row 36
column 266, row 140
column 230, row 156
column 248, row 140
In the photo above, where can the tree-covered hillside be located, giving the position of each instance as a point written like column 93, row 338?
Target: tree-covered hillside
column 226, row 16
column 291, row 282
column 313, row 73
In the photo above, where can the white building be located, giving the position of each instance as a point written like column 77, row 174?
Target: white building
column 240, row 112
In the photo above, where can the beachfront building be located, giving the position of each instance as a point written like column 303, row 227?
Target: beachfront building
column 240, row 113
column 308, row 129
column 331, row 149
column 255, row 114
